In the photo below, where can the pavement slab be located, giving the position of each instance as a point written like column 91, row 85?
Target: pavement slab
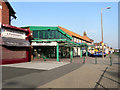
column 38, row 65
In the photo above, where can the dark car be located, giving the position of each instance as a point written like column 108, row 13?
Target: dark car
column 84, row 54
column 98, row 54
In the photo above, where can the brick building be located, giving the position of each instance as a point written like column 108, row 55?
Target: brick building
column 14, row 42
column 7, row 13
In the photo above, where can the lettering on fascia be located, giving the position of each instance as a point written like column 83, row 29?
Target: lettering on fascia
column 13, row 34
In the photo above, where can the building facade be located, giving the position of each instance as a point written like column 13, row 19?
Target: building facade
column 56, row 42
column 15, row 47
column 14, row 42
column 81, row 40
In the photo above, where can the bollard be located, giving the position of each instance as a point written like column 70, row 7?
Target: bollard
column 110, row 61
column 95, row 60
column 84, row 60
column 44, row 58
column 71, row 60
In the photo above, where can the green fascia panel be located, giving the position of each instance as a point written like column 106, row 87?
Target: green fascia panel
column 32, row 28
column 91, row 46
column 64, row 33
column 72, row 45
column 50, row 40
column 83, row 44
column 73, row 42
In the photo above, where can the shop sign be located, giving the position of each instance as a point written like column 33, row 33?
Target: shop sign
column 13, row 34
column 15, row 42
column 44, row 44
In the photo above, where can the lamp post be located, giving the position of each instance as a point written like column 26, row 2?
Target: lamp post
column 102, row 31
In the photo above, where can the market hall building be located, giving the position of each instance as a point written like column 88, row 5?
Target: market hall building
column 56, row 42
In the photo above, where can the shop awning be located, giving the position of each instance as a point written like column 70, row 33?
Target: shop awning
column 15, row 42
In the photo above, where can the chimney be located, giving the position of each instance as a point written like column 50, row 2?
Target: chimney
column 84, row 34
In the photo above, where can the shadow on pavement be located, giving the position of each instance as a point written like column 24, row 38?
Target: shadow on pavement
column 98, row 83
column 114, row 74
column 112, row 80
column 13, row 72
column 33, row 79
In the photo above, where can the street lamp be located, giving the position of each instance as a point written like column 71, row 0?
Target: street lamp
column 102, row 31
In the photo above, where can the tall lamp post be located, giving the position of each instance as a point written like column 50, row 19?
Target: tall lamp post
column 102, row 31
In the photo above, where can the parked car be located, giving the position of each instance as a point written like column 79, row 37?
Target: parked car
column 98, row 54
column 84, row 54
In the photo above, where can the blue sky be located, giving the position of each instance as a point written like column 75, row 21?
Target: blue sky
column 75, row 16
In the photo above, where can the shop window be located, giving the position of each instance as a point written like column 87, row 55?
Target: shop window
column 46, row 34
column 40, row 34
column 63, row 36
column 43, row 35
column 49, row 34
column 52, row 33
column 35, row 34
column 60, row 35
column 55, row 34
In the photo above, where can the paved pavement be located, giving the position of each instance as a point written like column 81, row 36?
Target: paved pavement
column 44, row 65
column 111, row 77
column 71, row 75
column 84, row 77
column 31, row 78
column 90, row 75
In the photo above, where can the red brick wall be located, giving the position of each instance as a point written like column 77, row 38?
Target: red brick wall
column 13, row 52
column 0, row 12
column 5, row 14
column 12, row 55
column 0, row 15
